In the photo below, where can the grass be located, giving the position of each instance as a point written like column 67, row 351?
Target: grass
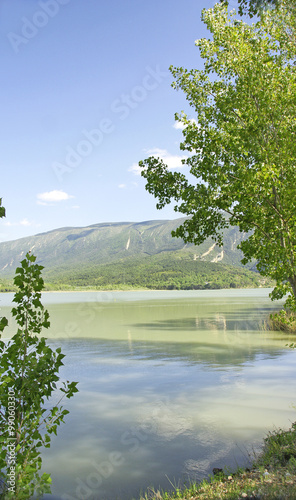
column 272, row 476
column 282, row 321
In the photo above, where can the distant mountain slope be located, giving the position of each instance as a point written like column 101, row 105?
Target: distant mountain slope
column 70, row 249
column 174, row 270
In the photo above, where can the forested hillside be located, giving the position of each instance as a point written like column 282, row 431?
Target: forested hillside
column 174, row 270
column 125, row 255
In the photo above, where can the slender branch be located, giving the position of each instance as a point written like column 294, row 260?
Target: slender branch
column 238, row 218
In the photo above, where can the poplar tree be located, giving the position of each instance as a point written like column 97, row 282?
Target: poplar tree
column 241, row 141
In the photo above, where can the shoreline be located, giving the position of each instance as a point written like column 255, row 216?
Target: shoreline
column 272, row 476
column 113, row 290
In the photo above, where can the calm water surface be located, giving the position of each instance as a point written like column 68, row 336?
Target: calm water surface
column 171, row 385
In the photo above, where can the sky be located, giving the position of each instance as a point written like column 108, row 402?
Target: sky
column 85, row 95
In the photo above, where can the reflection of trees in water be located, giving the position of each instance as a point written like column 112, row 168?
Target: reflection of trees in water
column 230, row 353
column 216, row 333
column 221, row 339
column 247, row 320
column 208, row 355
column 130, row 341
column 219, row 322
column 219, row 346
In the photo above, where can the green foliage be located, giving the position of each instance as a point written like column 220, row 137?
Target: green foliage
column 285, row 321
column 166, row 271
column 7, row 286
column 241, row 141
column 253, row 7
column 67, row 251
column 256, row 7
column 280, row 449
column 29, row 378
column 2, row 209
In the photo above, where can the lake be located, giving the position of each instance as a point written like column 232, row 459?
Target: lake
column 172, row 384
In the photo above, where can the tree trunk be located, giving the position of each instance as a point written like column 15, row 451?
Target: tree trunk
column 292, row 282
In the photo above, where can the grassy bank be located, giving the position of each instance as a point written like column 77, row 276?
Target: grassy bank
column 272, row 476
column 282, row 321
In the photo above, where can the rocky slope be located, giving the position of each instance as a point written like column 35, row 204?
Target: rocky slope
column 71, row 248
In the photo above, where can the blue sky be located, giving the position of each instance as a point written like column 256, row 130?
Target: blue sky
column 85, row 94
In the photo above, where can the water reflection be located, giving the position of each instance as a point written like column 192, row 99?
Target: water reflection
column 140, row 417
column 169, row 389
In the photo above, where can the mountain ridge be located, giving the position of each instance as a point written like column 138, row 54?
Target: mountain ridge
column 89, row 250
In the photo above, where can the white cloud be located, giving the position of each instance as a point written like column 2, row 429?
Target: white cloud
column 172, row 161
column 180, row 125
column 122, row 186
column 135, row 169
column 52, row 196
column 24, row 222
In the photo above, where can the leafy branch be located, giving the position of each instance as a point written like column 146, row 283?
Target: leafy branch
column 29, row 371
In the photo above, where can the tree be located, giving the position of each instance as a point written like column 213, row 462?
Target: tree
column 254, row 7
column 3, row 321
column 2, row 209
column 29, row 380
column 242, row 142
